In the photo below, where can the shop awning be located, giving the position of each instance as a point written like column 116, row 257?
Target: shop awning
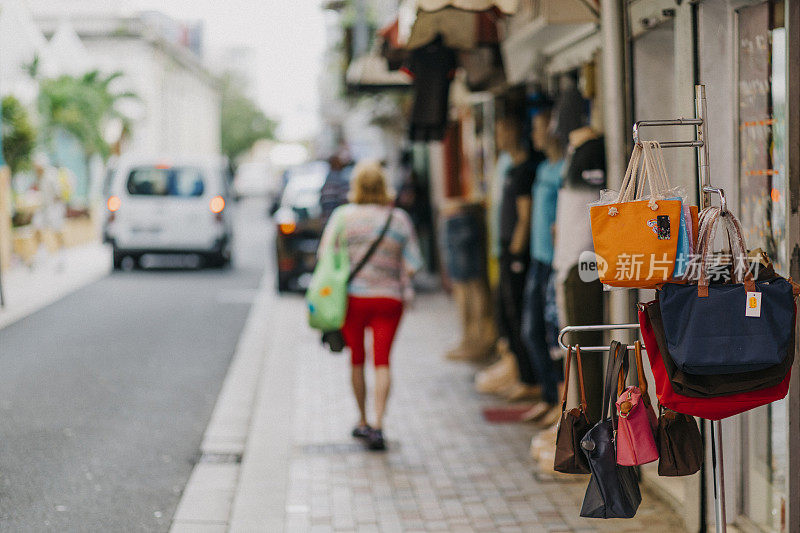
column 459, row 28
column 558, row 24
column 509, row 7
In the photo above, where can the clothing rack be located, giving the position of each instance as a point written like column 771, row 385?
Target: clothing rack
column 704, row 191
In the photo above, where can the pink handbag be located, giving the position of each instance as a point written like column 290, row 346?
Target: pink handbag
column 636, row 443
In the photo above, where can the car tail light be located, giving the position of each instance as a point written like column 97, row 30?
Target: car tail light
column 287, row 227
column 217, row 204
column 114, row 203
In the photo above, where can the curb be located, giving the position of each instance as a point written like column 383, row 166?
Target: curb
column 24, row 305
column 207, row 500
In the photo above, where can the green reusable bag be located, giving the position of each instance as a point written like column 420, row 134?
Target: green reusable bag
column 326, row 296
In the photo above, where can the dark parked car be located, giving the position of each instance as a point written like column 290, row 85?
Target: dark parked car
column 299, row 225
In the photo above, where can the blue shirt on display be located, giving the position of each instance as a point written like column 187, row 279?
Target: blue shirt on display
column 549, row 175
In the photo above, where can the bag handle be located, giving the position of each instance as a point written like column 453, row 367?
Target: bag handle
column 652, row 171
column 637, row 352
column 583, row 405
column 617, row 362
column 656, row 154
column 625, row 193
column 734, row 231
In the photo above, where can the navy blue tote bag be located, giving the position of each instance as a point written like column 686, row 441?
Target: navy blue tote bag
column 613, row 490
column 727, row 328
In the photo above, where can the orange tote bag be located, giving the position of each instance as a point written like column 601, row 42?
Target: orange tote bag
column 636, row 239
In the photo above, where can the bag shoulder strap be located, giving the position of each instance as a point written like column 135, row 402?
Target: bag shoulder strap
column 617, row 362
column 583, row 405
column 372, row 247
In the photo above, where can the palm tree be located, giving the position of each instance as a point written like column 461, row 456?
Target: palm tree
column 82, row 106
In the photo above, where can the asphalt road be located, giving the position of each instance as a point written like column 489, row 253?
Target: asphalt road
column 104, row 395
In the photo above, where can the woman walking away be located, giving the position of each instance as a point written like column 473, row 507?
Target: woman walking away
column 383, row 235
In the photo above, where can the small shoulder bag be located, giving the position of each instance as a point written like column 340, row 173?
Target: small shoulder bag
column 636, row 443
column 572, row 426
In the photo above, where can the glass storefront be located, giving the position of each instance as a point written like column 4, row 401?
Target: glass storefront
column 761, row 108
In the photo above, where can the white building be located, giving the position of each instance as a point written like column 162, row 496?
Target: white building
column 178, row 106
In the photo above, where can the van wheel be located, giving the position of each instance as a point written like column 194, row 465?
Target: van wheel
column 118, row 257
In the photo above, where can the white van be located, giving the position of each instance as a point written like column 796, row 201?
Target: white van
column 168, row 205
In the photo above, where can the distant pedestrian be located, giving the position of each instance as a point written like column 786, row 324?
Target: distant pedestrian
column 376, row 293
column 334, row 189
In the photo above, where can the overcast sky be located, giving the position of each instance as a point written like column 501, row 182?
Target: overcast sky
column 288, row 37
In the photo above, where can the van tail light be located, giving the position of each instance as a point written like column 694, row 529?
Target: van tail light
column 112, row 216
column 113, row 203
column 287, row 228
column 217, row 205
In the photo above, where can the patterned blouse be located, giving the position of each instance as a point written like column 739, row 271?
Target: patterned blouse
column 386, row 273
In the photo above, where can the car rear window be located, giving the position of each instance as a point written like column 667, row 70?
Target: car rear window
column 173, row 181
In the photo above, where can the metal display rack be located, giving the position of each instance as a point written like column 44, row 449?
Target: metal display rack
column 705, row 190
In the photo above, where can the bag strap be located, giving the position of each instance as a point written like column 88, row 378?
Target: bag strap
column 583, row 405
column 372, row 247
column 566, row 380
column 626, row 190
column 637, row 352
column 711, row 216
column 617, row 362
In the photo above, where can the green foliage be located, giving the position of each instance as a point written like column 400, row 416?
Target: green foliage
column 82, row 106
column 19, row 135
column 242, row 122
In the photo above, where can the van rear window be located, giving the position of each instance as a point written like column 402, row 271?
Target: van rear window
column 173, row 181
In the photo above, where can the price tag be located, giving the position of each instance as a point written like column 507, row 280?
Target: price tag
column 753, row 304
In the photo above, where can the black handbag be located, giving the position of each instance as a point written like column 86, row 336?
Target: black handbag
column 572, row 426
column 680, row 445
column 613, row 490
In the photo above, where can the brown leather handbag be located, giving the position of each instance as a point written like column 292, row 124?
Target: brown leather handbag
column 572, row 426
column 680, row 445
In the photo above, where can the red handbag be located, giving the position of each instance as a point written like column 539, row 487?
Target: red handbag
column 715, row 408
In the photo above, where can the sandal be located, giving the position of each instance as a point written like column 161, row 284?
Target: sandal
column 375, row 440
column 362, row 431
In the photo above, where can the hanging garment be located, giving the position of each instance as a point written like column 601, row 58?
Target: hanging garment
column 432, row 68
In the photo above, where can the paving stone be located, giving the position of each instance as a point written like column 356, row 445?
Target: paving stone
column 446, row 469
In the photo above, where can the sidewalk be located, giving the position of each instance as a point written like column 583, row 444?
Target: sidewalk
column 447, row 469
column 27, row 290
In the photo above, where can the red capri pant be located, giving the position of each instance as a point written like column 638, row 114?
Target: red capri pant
column 382, row 316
